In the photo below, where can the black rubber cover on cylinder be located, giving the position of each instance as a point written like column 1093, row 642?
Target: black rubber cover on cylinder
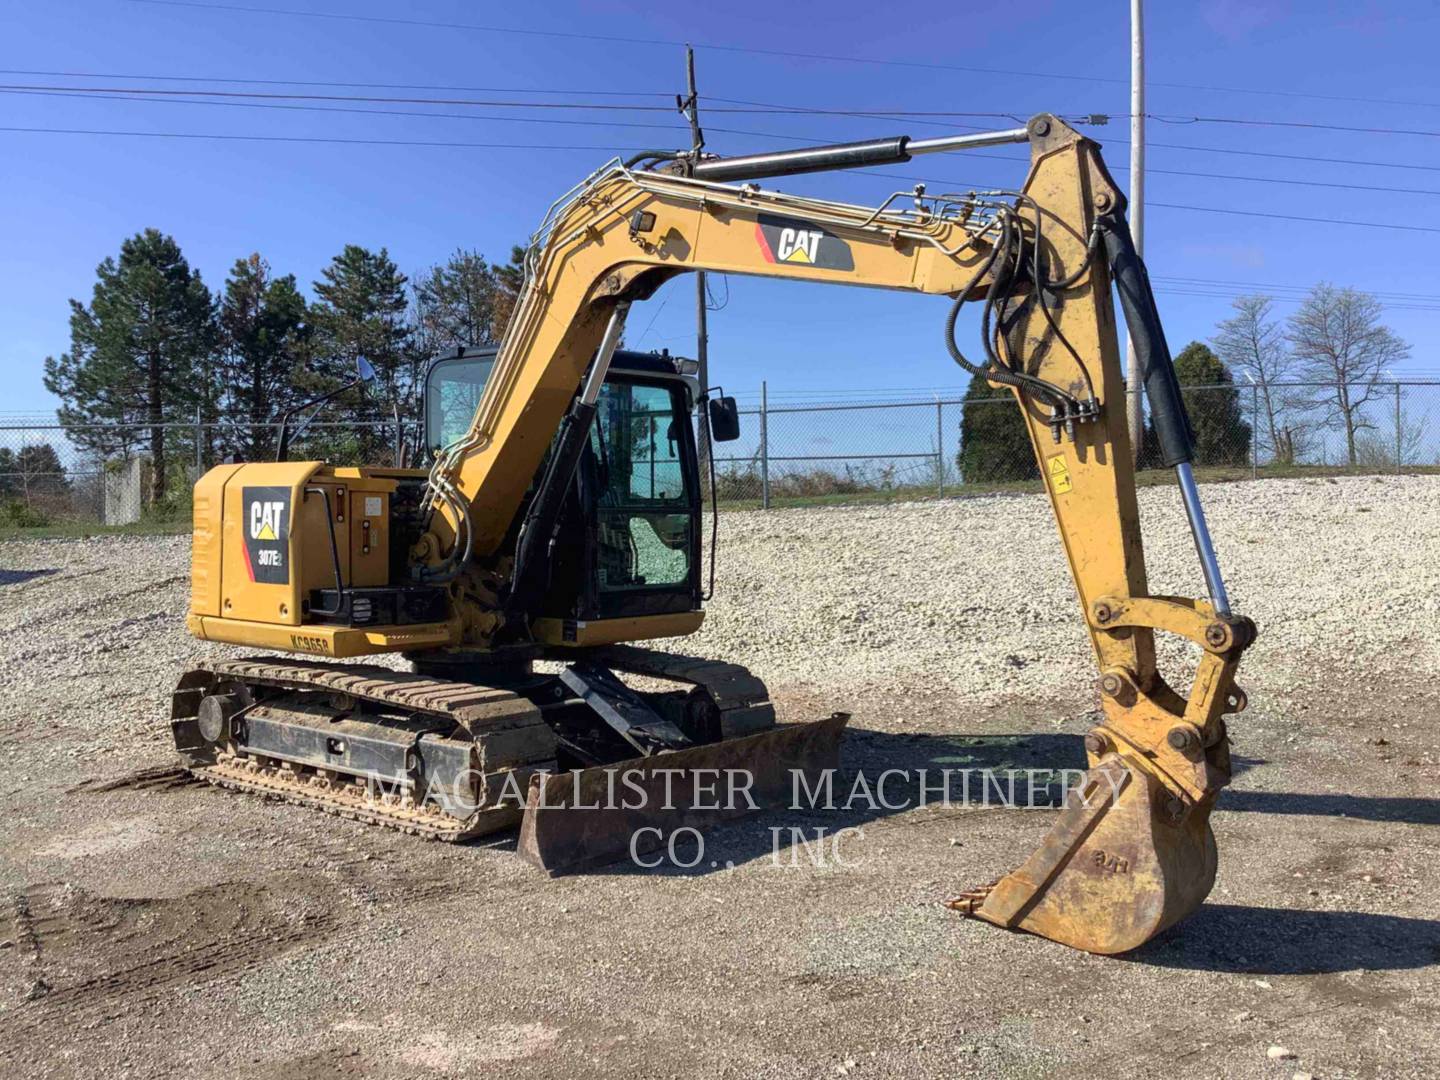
column 811, row 159
column 1157, row 371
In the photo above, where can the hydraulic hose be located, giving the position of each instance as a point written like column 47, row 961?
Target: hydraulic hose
column 1157, row 371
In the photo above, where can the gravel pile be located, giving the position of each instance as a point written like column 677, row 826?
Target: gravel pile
column 180, row 931
column 972, row 597
column 975, row 594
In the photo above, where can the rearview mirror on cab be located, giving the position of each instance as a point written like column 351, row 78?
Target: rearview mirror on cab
column 724, row 419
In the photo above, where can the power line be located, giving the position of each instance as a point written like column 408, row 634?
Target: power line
column 356, row 112
column 1166, row 172
column 751, row 108
column 621, row 40
column 1287, row 157
column 767, row 110
column 1202, row 295
column 413, row 113
column 313, row 139
column 613, row 149
column 183, row 97
column 1309, row 124
column 1363, row 162
column 268, row 95
column 343, row 85
column 899, row 116
column 913, row 115
column 671, row 127
column 1296, row 217
column 1273, row 286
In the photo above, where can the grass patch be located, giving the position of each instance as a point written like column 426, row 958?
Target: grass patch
column 78, row 530
column 1148, row 478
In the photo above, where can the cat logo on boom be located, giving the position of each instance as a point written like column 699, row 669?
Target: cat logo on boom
column 798, row 245
column 785, row 240
column 267, row 534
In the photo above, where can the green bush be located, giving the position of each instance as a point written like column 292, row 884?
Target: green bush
column 994, row 442
column 17, row 515
column 176, row 506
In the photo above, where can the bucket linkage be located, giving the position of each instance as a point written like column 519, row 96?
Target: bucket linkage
column 1133, row 852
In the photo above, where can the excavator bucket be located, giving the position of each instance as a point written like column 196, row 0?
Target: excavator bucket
column 591, row 817
column 1125, row 861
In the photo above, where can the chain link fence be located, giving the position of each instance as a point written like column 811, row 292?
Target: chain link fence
column 786, row 455
column 793, row 455
column 107, row 474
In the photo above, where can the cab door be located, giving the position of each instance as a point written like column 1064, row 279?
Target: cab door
column 646, row 501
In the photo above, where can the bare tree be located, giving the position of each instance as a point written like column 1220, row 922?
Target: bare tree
column 1342, row 346
column 1253, row 342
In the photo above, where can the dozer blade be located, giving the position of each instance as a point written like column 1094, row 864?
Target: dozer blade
column 1124, row 861
column 591, row 817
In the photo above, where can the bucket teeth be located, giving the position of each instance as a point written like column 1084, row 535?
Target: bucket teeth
column 970, row 901
column 1117, row 868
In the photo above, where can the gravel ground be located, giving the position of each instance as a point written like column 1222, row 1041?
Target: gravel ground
column 158, row 931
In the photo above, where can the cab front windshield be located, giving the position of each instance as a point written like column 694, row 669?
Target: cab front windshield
column 452, row 394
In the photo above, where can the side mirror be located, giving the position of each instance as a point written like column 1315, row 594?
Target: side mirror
column 724, row 419
column 364, row 370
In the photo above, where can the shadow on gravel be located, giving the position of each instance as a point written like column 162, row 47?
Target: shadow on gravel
column 1365, row 807
column 18, row 577
column 806, row 830
column 1276, row 941
column 857, row 796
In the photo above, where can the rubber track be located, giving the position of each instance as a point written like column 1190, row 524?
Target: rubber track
column 275, row 784
column 476, row 708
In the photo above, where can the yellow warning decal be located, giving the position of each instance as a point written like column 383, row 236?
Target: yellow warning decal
column 1059, row 474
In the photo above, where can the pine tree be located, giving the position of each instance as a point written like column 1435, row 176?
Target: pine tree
column 511, row 279
column 994, row 443
column 35, row 472
column 265, row 336
column 139, row 353
column 1222, row 436
column 361, row 311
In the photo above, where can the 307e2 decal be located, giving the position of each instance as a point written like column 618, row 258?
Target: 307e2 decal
column 266, row 525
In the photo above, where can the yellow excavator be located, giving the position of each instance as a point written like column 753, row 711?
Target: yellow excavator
column 560, row 522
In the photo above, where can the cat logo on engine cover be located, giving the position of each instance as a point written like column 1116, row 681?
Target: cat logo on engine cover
column 267, row 534
column 786, row 240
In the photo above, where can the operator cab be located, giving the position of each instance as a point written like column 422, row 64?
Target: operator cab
column 630, row 526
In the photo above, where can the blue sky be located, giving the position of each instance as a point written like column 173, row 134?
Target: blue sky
column 69, row 199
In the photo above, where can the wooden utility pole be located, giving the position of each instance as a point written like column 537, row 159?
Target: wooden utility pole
column 691, row 108
column 1134, row 404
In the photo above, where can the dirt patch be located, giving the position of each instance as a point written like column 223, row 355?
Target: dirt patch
column 103, row 838
column 87, row 957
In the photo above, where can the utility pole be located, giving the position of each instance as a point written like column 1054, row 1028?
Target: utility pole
column 1134, row 404
column 691, row 108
